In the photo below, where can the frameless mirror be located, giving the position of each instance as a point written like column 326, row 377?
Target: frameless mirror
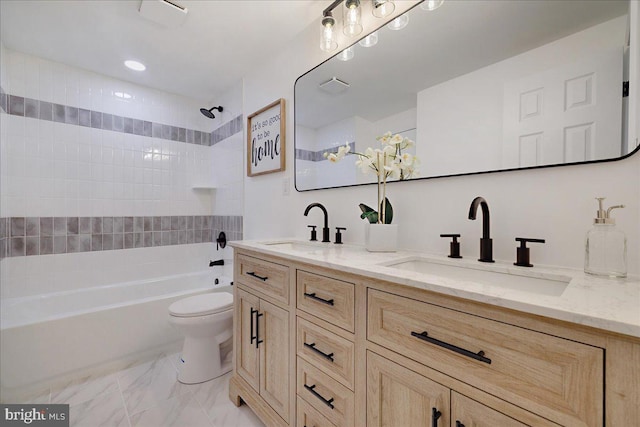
column 479, row 85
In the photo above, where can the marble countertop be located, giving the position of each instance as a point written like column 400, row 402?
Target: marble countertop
column 564, row 294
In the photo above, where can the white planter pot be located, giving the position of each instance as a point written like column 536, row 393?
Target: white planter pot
column 381, row 237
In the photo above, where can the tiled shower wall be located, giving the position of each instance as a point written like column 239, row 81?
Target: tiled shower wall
column 97, row 165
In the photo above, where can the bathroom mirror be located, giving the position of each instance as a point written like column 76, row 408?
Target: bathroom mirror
column 480, row 86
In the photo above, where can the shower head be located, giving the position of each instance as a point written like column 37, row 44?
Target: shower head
column 209, row 112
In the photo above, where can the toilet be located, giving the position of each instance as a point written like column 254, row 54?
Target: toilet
column 206, row 321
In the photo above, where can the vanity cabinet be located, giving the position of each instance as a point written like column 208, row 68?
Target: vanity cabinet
column 262, row 332
column 262, row 359
column 343, row 350
column 539, row 372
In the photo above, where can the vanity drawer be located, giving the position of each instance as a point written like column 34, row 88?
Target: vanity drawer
column 309, row 417
column 327, row 396
column 265, row 277
column 327, row 351
column 329, row 299
column 545, row 374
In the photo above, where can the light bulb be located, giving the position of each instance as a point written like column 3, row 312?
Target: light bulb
column 399, row 23
column 346, row 54
column 370, row 40
column 382, row 8
column 431, row 4
column 327, row 40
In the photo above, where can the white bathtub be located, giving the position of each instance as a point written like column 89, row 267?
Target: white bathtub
column 51, row 337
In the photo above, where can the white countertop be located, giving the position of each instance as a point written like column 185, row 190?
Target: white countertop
column 603, row 303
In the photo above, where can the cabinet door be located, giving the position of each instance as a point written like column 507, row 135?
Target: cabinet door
column 466, row 412
column 246, row 351
column 397, row 396
column 274, row 357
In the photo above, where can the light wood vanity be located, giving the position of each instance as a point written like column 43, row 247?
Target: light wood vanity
column 317, row 346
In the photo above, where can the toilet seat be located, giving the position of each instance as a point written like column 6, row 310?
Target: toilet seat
column 202, row 305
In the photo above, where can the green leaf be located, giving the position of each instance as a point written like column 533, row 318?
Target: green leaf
column 388, row 211
column 368, row 213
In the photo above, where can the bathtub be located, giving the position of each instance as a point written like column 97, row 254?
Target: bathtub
column 55, row 337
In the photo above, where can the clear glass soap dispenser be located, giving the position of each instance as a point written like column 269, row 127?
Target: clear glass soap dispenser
column 605, row 245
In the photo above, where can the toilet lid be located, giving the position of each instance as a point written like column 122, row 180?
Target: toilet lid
column 200, row 305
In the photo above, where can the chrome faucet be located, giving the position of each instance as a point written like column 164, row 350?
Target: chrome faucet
column 325, row 229
column 486, row 244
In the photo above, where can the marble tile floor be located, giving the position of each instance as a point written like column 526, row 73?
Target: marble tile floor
column 148, row 394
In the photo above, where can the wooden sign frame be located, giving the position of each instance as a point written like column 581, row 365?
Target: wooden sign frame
column 266, row 149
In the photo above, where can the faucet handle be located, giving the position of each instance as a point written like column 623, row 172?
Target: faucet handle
column 314, row 233
column 454, row 246
column 522, row 252
column 339, row 235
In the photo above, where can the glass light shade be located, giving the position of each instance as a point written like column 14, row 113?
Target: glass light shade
column 351, row 18
column 382, row 8
column 399, row 23
column 370, row 40
column 328, row 42
column 431, row 4
column 346, row 54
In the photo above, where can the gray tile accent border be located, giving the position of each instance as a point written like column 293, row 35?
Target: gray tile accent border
column 3, row 100
column 33, row 108
column 318, row 156
column 226, row 130
column 28, row 236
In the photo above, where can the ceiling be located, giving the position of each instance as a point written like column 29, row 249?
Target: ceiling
column 219, row 42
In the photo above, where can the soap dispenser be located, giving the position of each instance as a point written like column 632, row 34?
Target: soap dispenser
column 605, row 245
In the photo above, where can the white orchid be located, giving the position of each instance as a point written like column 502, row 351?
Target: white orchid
column 388, row 162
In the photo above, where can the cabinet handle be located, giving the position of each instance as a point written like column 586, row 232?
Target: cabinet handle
column 459, row 424
column 435, row 416
column 311, row 388
column 477, row 356
column 258, row 340
column 253, row 274
column 312, row 346
column 322, row 300
column 253, row 337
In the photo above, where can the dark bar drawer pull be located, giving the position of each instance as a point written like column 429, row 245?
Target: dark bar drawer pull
column 477, row 356
column 435, row 416
column 322, row 300
column 253, row 274
column 459, row 424
column 311, row 388
column 312, row 346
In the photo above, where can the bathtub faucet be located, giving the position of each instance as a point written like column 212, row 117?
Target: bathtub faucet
column 216, row 262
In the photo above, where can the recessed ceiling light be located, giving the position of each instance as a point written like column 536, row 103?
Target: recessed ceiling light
column 135, row 65
column 123, row 95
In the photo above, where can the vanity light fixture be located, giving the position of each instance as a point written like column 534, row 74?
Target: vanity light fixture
column 431, row 4
column 382, row 8
column 399, row 23
column 370, row 40
column 352, row 25
column 351, row 18
column 134, row 65
column 346, row 54
column 328, row 42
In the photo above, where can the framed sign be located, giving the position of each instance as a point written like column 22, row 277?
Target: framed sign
column 266, row 139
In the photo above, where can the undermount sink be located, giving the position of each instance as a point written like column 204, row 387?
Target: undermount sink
column 548, row 285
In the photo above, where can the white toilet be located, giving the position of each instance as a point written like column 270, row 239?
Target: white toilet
column 206, row 321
